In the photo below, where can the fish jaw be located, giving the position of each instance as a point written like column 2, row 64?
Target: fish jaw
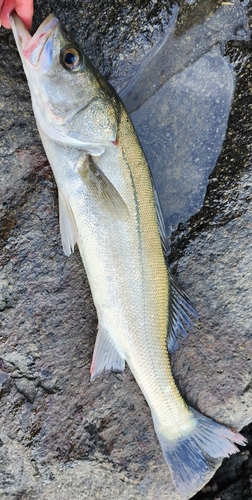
column 31, row 47
column 37, row 57
column 21, row 33
column 35, row 46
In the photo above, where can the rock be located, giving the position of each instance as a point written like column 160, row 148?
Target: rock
column 27, row 388
column 61, row 435
column 17, row 473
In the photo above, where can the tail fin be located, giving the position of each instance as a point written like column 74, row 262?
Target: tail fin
column 192, row 458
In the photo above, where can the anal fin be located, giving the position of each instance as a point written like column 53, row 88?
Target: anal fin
column 105, row 356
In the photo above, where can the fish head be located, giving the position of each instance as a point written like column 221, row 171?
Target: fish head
column 71, row 101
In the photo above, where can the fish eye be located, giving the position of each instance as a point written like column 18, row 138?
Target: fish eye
column 71, row 59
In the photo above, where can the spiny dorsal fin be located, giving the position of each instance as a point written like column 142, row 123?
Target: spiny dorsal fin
column 102, row 189
column 161, row 223
column 180, row 313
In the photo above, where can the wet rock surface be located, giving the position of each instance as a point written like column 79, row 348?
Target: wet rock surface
column 60, row 435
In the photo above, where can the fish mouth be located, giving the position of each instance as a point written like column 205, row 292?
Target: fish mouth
column 31, row 47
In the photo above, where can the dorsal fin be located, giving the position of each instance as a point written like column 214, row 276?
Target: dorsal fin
column 180, row 313
column 180, row 308
column 161, row 222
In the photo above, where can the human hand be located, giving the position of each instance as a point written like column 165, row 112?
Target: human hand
column 23, row 8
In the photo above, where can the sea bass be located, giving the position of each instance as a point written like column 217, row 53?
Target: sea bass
column 107, row 204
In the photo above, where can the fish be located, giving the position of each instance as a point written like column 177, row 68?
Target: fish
column 109, row 206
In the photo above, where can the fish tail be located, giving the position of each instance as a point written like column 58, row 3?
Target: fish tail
column 191, row 458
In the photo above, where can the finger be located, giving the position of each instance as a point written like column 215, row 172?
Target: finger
column 7, row 7
column 24, row 9
column 1, row 3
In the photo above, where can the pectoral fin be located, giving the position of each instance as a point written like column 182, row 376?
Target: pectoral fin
column 68, row 228
column 102, row 189
column 105, row 356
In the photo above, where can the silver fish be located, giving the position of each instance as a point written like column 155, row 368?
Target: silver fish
column 107, row 205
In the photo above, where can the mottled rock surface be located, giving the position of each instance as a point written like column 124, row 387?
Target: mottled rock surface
column 62, row 437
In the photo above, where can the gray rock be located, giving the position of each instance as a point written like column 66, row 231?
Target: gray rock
column 63, row 437
column 17, row 474
column 27, row 388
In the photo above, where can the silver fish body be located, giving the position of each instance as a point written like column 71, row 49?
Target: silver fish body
column 108, row 206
